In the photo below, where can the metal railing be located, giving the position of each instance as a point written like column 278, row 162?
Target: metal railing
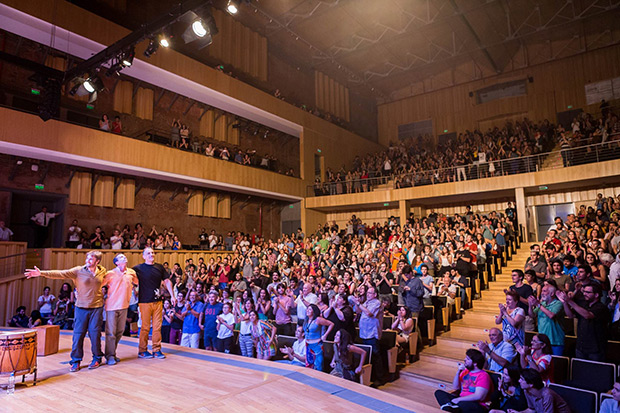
column 566, row 157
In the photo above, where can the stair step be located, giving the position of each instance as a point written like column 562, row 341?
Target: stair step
column 468, row 335
column 427, row 373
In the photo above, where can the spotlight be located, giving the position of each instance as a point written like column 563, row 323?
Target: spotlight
column 164, row 41
column 127, row 59
column 200, row 29
column 151, row 48
column 93, row 84
column 115, row 69
column 232, row 7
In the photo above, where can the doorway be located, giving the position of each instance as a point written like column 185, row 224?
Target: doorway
column 26, row 204
column 545, row 216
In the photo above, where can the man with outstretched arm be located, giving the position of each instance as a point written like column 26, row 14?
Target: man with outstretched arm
column 88, row 280
column 150, row 276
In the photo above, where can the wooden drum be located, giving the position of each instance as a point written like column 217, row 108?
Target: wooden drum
column 18, row 353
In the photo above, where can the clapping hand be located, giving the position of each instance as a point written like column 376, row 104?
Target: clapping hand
column 561, row 295
column 502, row 309
column 483, row 346
column 532, row 301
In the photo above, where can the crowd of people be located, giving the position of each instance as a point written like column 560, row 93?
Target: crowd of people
column 573, row 274
column 336, row 285
column 474, row 154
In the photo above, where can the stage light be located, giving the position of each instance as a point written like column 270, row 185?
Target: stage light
column 127, row 59
column 200, row 29
column 232, row 7
column 151, row 48
column 93, row 84
column 164, row 41
column 115, row 69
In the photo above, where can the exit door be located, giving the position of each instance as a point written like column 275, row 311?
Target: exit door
column 545, row 216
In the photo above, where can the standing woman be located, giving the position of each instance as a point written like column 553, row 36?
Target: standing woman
column 263, row 336
column 263, row 305
column 342, row 362
column 176, row 324
column 104, row 123
column 511, row 317
column 313, row 327
column 242, row 316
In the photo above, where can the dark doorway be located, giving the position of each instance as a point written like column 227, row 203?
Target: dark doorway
column 25, row 205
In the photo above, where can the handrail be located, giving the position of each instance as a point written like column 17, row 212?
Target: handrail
column 508, row 166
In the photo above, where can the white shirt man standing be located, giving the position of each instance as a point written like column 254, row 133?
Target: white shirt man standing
column 42, row 220
column 306, row 298
column 120, row 282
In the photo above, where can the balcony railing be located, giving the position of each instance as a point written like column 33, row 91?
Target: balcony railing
column 581, row 155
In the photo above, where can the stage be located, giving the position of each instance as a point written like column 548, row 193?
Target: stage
column 190, row 380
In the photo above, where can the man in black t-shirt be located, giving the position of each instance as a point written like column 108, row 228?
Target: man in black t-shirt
column 150, row 276
column 524, row 291
column 592, row 321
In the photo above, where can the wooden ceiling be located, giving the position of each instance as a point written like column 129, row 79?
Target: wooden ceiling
column 397, row 48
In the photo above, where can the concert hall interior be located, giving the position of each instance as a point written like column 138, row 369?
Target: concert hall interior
column 310, row 205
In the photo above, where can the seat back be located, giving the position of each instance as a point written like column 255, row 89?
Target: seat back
column 388, row 339
column 592, row 375
column 283, row 341
column 579, row 400
column 387, row 322
column 613, row 352
column 561, row 366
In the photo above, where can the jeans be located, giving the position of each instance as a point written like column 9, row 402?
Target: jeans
column 190, row 340
column 443, row 397
column 87, row 320
column 150, row 312
column 314, row 353
column 175, row 336
column 377, row 360
column 114, row 328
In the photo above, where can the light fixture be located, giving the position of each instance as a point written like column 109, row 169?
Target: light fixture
column 115, row 69
column 151, row 48
column 127, row 58
column 232, row 7
column 164, row 41
column 200, row 29
column 93, row 84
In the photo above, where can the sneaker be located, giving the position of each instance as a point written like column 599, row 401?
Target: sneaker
column 111, row 361
column 145, row 355
column 117, row 359
column 450, row 407
column 94, row 364
column 74, row 367
column 159, row 355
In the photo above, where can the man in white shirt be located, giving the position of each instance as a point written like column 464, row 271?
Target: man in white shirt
column 297, row 353
column 499, row 353
column 5, row 233
column 120, row 281
column 42, row 220
column 74, row 232
column 116, row 240
column 306, row 298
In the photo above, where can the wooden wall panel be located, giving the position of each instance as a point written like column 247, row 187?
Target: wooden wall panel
column 80, row 189
column 144, row 104
column 123, row 97
column 126, row 194
column 232, row 134
column 207, row 124
column 13, row 260
column 554, row 89
column 195, row 204
column 223, row 207
column 331, row 96
column 210, row 205
column 103, row 192
column 239, row 46
column 220, row 128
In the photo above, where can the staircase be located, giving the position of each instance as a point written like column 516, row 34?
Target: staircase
column 554, row 160
column 438, row 363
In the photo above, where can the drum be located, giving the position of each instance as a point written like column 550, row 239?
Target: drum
column 18, row 352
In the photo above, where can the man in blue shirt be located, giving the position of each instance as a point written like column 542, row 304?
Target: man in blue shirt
column 569, row 266
column 208, row 319
column 371, row 321
column 191, row 327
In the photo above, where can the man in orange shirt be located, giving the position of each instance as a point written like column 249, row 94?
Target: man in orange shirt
column 120, row 282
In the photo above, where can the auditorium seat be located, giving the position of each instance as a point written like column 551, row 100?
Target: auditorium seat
column 281, row 341
column 592, row 375
column 579, row 400
column 561, row 368
column 613, row 352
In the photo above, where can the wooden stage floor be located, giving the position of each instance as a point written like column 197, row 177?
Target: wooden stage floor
column 190, row 380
